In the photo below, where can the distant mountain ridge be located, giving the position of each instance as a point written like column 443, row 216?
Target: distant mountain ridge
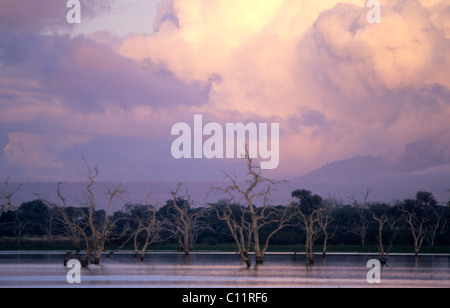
column 340, row 179
column 352, row 170
column 386, row 180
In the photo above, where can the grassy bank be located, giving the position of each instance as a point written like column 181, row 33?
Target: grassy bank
column 10, row 244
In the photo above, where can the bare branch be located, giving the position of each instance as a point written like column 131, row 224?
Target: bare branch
column 185, row 224
column 7, row 195
column 244, row 195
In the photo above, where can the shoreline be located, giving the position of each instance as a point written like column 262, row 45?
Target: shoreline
column 40, row 245
column 218, row 252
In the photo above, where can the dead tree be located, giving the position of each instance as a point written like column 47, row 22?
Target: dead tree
column 437, row 225
column 88, row 228
column 76, row 226
column 182, row 222
column 282, row 218
column 311, row 211
column 99, row 225
column 20, row 225
column 360, row 223
column 324, row 222
column 416, row 226
column 239, row 226
column 246, row 222
column 388, row 226
column 417, row 213
column 72, row 220
column 48, row 226
column 6, row 196
column 148, row 223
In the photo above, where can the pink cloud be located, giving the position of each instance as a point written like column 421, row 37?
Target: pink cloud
column 339, row 87
column 37, row 15
column 39, row 150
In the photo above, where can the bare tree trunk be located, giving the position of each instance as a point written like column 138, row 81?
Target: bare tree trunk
column 6, row 196
column 416, row 225
column 145, row 246
column 313, row 213
column 136, row 246
column 363, row 243
column 238, row 228
column 259, row 255
column 437, row 226
column 186, row 246
column 385, row 218
column 185, row 224
column 252, row 218
column 309, row 248
column 83, row 225
column 417, row 246
column 325, row 242
column 146, row 218
column 324, row 222
column 360, row 225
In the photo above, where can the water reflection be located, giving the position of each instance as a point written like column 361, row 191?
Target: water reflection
column 224, row 270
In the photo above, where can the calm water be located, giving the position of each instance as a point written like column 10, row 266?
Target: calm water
column 211, row 270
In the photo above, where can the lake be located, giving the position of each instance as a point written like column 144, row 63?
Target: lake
column 221, row 270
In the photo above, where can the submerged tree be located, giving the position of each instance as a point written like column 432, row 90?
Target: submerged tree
column 314, row 214
column 141, row 224
column 183, row 222
column 360, row 222
column 244, row 217
column 388, row 226
column 325, row 221
column 146, row 228
column 417, row 214
column 88, row 227
column 238, row 223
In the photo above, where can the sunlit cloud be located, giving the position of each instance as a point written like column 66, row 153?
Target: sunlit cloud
column 339, row 86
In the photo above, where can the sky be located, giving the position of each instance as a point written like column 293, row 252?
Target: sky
column 110, row 89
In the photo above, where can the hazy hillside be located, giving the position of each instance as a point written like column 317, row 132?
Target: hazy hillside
column 340, row 179
column 387, row 181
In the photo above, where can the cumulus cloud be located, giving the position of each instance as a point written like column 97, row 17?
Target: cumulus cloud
column 388, row 83
column 39, row 152
column 405, row 51
column 75, row 86
column 339, row 86
column 336, row 81
column 87, row 75
column 166, row 19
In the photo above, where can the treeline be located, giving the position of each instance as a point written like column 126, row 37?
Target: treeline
column 349, row 224
column 244, row 218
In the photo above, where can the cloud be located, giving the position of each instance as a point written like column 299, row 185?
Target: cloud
column 39, row 151
column 405, row 51
column 37, row 15
column 60, row 91
column 322, row 61
column 339, row 86
column 86, row 75
column 379, row 92
column 167, row 18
